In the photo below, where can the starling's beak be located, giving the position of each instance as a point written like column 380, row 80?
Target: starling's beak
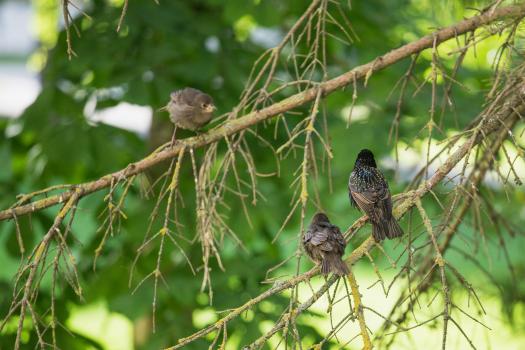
column 210, row 109
column 162, row 109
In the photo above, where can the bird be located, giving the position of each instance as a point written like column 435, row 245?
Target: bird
column 368, row 191
column 324, row 244
column 190, row 109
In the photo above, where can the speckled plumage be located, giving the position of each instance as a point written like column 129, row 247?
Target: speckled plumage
column 369, row 192
column 324, row 244
column 190, row 108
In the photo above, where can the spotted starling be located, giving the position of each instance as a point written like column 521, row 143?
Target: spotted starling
column 369, row 192
column 190, row 108
column 325, row 245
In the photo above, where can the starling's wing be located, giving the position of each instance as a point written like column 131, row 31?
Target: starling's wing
column 320, row 237
column 352, row 200
column 386, row 203
column 308, row 235
column 323, row 238
column 339, row 240
column 368, row 188
column 384, row 199
column 369, row 201
column 353, row 187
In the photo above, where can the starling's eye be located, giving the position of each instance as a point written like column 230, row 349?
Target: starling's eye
column 204, row 105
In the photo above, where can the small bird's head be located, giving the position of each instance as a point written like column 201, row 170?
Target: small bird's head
column 320, row 217
column 205, row 103
column 366, row 157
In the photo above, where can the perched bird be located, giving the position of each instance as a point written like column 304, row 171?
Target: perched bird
column 190, row 108
column 324, row 243
column 369, row 192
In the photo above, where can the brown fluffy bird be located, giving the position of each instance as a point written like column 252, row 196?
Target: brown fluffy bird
column 190, row 109
column 325, row 245
column 369, row 192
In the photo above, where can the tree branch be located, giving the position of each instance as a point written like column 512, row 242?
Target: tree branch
column 233, row 126
column 358, row 310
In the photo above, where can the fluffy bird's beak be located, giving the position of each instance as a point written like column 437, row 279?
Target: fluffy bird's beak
column 210, row 108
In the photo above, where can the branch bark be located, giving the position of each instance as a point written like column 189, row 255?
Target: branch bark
column 233, row 126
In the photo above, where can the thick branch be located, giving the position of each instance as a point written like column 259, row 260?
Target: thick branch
column 233, row 126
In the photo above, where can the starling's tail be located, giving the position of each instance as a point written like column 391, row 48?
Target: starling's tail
column 333, row 263
column 386, row 228
column 379, row 230
column 394, row 230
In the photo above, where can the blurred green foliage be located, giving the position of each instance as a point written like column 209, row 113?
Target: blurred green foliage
column 164, row 47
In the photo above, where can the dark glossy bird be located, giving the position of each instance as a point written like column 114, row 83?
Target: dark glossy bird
column 324, row 244
column 190, row 108
column 369, row 192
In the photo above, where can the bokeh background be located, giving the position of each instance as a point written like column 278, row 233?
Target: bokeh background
column 68, row 121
